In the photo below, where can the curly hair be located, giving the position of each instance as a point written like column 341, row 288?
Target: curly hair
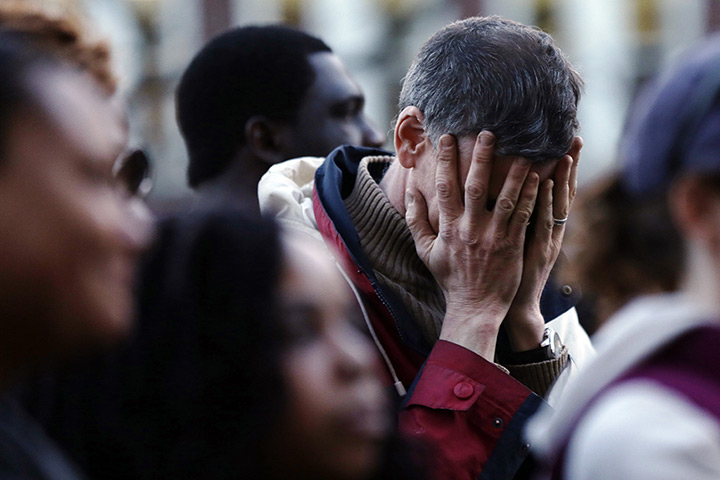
column 622, row 246
column 62, row 35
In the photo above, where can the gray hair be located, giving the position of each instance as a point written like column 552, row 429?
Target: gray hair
column 499, row 75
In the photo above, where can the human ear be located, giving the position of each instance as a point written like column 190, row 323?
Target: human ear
column 410, row 138
column 263, row 139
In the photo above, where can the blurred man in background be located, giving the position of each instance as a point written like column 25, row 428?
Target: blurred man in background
column 255, row 96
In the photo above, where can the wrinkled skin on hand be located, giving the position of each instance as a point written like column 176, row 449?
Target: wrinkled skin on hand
column 479, row 256
column 555, row 197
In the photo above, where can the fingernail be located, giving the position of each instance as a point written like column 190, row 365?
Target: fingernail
column 409, row 199
column 446, row 141
column 486, row 138
column 523, row 162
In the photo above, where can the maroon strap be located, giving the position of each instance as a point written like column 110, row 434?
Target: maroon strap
column 688, row 366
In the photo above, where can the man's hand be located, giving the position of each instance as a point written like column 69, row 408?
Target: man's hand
column 524, row 323
column 477, row 255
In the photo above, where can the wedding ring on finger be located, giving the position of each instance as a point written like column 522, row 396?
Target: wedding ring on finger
column 560, row 221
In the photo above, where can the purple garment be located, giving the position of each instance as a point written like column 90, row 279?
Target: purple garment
column 689, row 366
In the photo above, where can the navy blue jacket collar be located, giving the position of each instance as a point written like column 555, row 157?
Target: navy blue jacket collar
column 334, row 181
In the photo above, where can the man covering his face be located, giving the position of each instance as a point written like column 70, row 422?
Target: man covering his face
column 450, row 242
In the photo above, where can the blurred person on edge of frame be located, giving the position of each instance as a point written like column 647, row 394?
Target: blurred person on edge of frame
column 69, row 247
column 262, row 371
column 257, row 95
column 648, row 247
column 65, row 36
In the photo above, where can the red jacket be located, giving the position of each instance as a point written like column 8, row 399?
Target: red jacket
column 468, row 410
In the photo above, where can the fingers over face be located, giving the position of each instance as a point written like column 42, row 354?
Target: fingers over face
column 446, row 181
column 545, row 226
column 561, row 193
column 510, row 192
column 416, row 217
column 478, row 178
column 524, row 209
column 575, row 154
column 573, row 179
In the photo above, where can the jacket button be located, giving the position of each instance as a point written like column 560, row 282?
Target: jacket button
column 566, row 290
column 498, row 423
column 463, row 390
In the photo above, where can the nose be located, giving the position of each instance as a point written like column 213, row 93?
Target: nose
column 354, row 355
column 371, row 135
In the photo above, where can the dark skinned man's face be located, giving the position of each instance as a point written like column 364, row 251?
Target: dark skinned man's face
column 331, row 113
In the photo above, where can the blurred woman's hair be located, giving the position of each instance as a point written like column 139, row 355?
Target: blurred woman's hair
column 207, row 348
column 20, row 62
column 208, row 352
column 627, row 239
column 622, row 246
column 199, row 389
column 60, row 34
